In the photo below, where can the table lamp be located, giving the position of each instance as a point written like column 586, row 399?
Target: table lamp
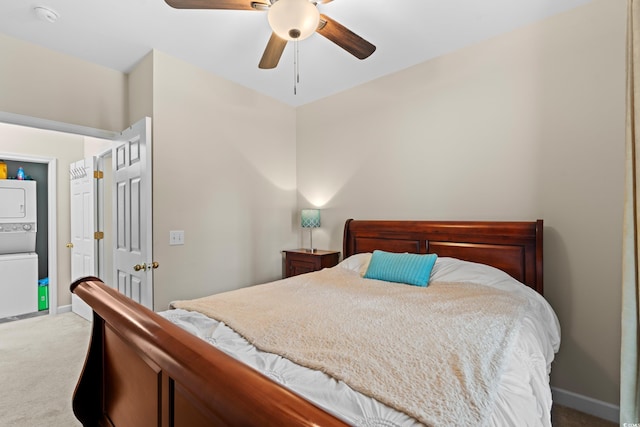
column 310, row 218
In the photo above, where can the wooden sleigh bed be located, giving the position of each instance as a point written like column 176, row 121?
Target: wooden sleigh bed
column 142, row 370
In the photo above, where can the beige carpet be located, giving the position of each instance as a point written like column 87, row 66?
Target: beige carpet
column 567, row 417
column 40, row 362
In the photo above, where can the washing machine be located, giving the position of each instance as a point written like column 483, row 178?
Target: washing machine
column 18, row 284
column 18, row 258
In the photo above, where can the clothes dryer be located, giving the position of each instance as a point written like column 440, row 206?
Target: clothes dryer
column 18, row 216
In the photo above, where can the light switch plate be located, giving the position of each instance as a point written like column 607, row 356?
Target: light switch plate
column 176, row 237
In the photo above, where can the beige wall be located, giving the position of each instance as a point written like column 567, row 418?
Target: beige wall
column 140, row 84
column 225, row 173
column 524, row 126
column 41, row 83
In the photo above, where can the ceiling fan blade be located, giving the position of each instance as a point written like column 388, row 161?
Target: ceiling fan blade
column 272, row 52
column 345, row 38
column 216, row 4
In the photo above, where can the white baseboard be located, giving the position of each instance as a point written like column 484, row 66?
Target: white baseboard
column 64, row 309
column 588, row 405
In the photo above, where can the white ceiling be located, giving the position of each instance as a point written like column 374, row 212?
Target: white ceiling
column 229, row 43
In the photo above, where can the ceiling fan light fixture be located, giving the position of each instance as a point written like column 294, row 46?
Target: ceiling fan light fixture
column 293, row 19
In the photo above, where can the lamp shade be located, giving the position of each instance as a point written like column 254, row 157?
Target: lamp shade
column 310, row 218
column 293, row 19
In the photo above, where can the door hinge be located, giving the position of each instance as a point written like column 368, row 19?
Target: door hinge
column 98, row 174
column 98, row 235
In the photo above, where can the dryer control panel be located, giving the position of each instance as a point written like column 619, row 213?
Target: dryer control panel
column 19, row 226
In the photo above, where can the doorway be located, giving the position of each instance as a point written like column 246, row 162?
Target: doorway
column 131, row 228
column 54, row 245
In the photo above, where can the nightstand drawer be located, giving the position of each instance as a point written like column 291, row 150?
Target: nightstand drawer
column 299, row 266
column 300, row 261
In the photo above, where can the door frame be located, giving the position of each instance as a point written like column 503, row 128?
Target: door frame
column 38, row 123
column 100, row 205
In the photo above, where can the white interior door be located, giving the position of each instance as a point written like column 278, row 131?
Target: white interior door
column 83, row 227
column 132, row 213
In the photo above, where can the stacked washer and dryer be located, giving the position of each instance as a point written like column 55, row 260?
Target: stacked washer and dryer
column 18, row 258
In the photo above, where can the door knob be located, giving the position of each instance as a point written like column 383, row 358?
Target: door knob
column 69, row 245
column 139, row 267
column 155, row 264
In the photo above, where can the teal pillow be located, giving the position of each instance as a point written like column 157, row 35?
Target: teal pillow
column 412, row 269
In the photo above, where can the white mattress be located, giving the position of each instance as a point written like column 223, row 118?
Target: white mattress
column 523, row 398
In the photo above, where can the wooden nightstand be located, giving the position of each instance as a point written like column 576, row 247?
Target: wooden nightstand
column 300, row 261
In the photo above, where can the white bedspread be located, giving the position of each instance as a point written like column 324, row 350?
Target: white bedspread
column 521, row 397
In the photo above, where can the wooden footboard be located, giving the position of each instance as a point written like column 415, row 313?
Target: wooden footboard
column 142, row 370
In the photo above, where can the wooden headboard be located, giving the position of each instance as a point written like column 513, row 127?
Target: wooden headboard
column 514, row 247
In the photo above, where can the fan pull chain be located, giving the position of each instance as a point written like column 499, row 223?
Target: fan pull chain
column 296, row 74
column 297, row 62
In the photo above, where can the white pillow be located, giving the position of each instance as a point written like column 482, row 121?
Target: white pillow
column 357, row 262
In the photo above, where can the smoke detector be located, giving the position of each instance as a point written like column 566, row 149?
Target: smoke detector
column 46, row 14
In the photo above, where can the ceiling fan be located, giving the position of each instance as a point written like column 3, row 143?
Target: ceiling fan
column 290, row 20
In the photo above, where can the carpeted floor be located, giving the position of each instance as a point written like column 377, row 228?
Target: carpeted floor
column 41, row 359
column 566, row 417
